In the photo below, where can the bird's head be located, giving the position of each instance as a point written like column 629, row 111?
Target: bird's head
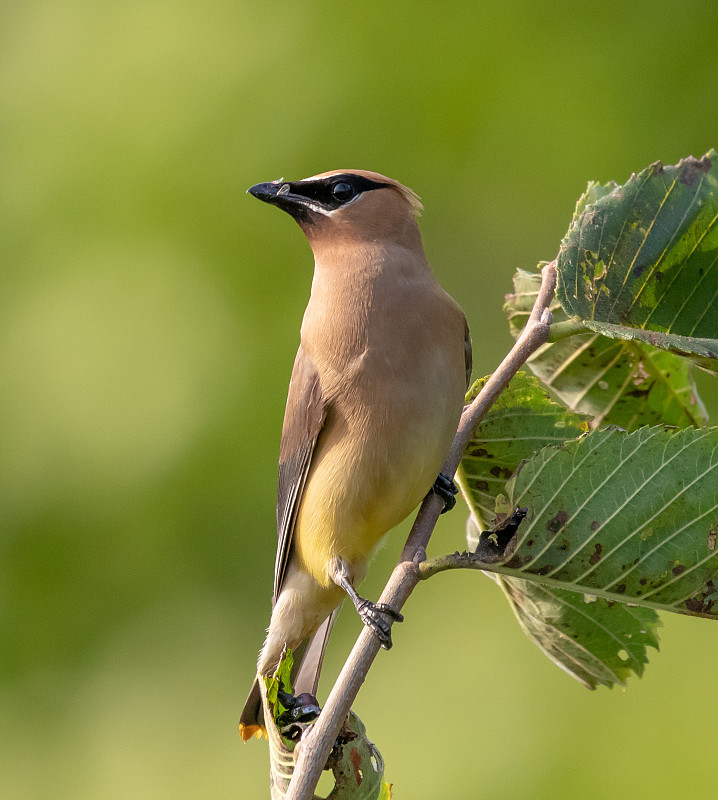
column 352, row 205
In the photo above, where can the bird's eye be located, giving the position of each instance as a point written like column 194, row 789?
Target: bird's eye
column 342, row 192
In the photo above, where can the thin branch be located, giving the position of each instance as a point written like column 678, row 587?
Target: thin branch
column 464, row 560
column 315, row 746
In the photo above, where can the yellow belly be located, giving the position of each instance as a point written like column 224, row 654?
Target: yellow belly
column 359, row 487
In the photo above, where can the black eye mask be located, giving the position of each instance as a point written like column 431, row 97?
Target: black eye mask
column 301, row 198
column 332, row 192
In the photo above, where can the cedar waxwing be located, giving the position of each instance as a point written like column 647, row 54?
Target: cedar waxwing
column 374, row 401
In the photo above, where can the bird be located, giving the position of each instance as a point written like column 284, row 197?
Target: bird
column 374, row 401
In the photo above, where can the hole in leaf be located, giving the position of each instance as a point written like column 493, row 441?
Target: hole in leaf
column 623, row 655
column 326, row 785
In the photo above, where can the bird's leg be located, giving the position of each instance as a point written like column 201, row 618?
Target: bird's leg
column 447, row 491
column 370, row 613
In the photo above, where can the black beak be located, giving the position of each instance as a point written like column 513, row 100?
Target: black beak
column 279, row 193
column 265, row 191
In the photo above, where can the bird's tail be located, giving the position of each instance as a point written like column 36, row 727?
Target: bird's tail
column 306, row 676
column 304, row 679
column 251, row 721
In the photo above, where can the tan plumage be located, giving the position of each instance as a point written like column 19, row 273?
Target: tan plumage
column 374, row 400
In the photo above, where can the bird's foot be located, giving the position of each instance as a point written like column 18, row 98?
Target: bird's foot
column 302, row 708
column 447, row 491
column 370, row 613
column 371, row 616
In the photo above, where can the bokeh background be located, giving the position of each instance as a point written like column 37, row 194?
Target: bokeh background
column 150, row 315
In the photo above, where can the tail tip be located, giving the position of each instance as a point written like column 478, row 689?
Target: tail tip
column 248, row 732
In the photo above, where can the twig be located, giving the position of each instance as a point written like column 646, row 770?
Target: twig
column 316, row 745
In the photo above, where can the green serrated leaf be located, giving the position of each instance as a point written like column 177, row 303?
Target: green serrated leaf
column 280, row 679
column 594, row 191
column 628, row 517
column 596, row 641
column 624, row 383
column 522, row 421
column 645, row 256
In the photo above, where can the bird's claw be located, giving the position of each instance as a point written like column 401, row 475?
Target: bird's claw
column 447, row 491
column 371, row 616
column 389, row 611
column 302, row 708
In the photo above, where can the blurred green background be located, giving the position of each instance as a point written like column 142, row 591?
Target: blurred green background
column 149, row 321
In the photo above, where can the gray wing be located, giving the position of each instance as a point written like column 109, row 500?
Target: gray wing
column 303, row 421
column 468, row 358
column 306, row 677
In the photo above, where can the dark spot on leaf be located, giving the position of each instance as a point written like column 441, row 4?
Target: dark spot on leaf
column 636, row 272
column 701, row 604
column 544, row 570
column 678, row 569
column 596, row 555
column 594, row 525
column 480, row 452
column 657, row 168
column 355, row 757
column 555, row 524
column 659, row 275
column 529, row 543
column 518, row 561
column 692, row 169
column 482, row 486
column 639, row 392
column 643, row 581
column 621, row 588
column 500, row 472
